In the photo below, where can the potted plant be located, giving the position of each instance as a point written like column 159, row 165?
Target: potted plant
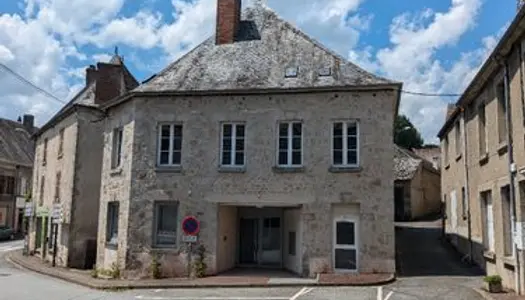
column 493, row 283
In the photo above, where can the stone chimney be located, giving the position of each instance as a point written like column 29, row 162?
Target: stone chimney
column 228, row 19
column 91, row 74
column 110, row 82
column 451, row 107
column 29, row 122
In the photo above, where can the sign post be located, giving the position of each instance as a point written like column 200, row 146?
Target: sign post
column 190, row 227
column 28, row 213
column 57, row 218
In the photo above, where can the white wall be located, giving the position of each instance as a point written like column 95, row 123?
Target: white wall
column 292, row 222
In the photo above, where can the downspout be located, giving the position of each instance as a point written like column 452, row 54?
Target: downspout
column 467, row 190
column 512, row 170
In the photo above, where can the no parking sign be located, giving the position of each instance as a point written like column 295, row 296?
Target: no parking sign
column 190, row 227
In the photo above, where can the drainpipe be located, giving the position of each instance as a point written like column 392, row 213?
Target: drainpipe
column 467, row 191
column 512, row 169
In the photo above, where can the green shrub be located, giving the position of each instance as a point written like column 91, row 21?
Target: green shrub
column 494, row 279
column 155, row 267
column 94, row 273
column 115, row 271
column 199, row 266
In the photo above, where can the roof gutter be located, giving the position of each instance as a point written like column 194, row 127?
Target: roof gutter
column 502, row 49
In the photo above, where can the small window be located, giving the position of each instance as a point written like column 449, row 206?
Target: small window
column 112, row 223
column 502, row 112
column 345, row 248
column 457, row 130
column 165, row 224
column 61, row 143
column 291, row 72
column 117, row 148
column 290, row 144
column 325, row 71
column 170, row 145
column 44, row 155
column 232, row 145
column 291, row 243
column 57, row 187
column 42, row 185
column 345, row 144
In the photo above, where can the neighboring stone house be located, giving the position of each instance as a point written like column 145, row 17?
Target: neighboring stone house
column 417, row 183
column 67, row 169
column 483, row 177
column 432, row 153
column 282, row 149
column 16, row 163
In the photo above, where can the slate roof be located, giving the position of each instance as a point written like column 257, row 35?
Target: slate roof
column 407, row 162
column 16, row 145
column 265, row 47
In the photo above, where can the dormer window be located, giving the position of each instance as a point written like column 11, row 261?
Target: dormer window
column 291, row 72
column 325, row 71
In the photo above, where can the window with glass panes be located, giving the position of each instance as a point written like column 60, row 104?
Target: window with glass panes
column 232, row 145
column 170, row 145
column 165, row 223
column 345, row 247
column 290, row 144
column 345, row 143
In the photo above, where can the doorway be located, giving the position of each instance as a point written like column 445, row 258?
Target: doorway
column 260, row 238
column 399, row 203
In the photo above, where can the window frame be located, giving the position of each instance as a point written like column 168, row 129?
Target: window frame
column 61, row 133
column 44, row 150
column 116, row 151
column 289, row 150
column 457, row 137
column 345, row 163
column 156, row 207
column 482, row 129
column 58, row 179
column 335, row 246
column 171, row 144
column 112, row 208
column 489, row 242
column 233, row 145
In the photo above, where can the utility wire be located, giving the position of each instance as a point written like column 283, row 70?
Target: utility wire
column 25, row 81
column 430, row 94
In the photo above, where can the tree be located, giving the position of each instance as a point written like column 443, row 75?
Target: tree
column 405, row 134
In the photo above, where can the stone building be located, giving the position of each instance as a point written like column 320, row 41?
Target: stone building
column 416, row 186
column 483, row 163
column 282, row 149
column 67, row 169
column 16, row 163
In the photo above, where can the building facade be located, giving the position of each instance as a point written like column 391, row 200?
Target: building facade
column 283, row 153
column 16, row 163
column 66, row 177
column 483, row 181
column 417, row 186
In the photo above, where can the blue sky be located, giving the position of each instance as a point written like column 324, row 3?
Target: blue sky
column 433, row 46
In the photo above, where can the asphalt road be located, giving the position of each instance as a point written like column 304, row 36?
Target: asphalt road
column 418, row 282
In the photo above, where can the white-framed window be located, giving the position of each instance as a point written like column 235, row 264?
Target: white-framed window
column 165, row 224
column 233, row 145
column 169, row 151
column 346, row 251
column 116, row 159
column 290, row 148
column 488, row 221
column 345, row 143
column 507, row 212
column 112, row 223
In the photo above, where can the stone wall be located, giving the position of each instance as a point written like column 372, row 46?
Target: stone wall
column 200, row 185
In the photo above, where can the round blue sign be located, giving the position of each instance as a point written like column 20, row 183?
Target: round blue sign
column 190, row 225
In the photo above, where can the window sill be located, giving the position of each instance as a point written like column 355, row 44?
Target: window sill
column 447, row 166
column 115, row 171
column 224, row 169
column 111, row 246
column 166, row 169
column 283, row 169
column 342, row 169
column 60, row 155
column 167, row 249
column 489, row 255
column 484, row 159
column 458, row 157
column 502, row 148
column 509, row 262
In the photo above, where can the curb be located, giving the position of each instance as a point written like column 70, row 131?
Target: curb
column 108, row 285
column 483, row 294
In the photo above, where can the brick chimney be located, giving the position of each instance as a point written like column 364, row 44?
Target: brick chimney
column 110, row 82
column 91, row 74
column 228, row 19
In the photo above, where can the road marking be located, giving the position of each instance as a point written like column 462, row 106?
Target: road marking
column 209, row 298
column 380, row 294
column 303, row 291
column 9, row 248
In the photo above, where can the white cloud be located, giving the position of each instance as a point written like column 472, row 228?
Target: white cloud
column 101, row 57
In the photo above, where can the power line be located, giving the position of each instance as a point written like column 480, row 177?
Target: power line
column 23, row 80
column 430, row 94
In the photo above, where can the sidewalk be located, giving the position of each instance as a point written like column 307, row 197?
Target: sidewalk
column 84, row 278
column 500, row 296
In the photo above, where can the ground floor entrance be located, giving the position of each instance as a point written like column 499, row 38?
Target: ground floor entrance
column 260, row 241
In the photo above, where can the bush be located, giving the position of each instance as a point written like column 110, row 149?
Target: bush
column 155, row 267
column 492, row 279
column 200, row 266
